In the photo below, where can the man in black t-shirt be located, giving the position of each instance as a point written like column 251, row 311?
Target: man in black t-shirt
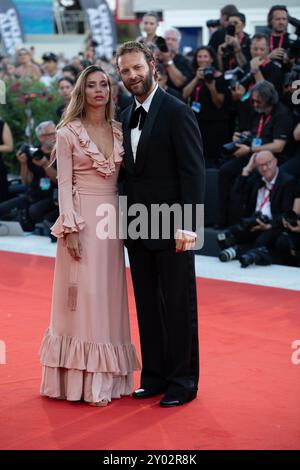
column 177, row 66
column 279, row 41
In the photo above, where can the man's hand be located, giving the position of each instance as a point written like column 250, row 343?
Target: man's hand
column 255, row 63
column 22, row 157
column 277, row 54
column 290, row 227
column 41, row 163
column 237, row 92
column 184, row 242
column 242, row 150
column 73, row 245
column 260, row 227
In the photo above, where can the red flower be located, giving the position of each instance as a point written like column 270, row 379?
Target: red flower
column 50, row 98
column 15, row 87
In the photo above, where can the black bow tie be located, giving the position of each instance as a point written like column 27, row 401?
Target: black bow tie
column 138, row 117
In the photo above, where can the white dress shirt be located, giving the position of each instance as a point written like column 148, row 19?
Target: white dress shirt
column 263, row 203
column 136, row 133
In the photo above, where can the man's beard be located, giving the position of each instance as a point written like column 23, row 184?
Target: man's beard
column 144, row 85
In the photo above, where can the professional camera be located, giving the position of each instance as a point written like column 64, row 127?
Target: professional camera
column 213, row 23
column 29, row 151
column 291, row 218
column 249, row 222
column 229, row 149
column 259, row 256
column 234, row 76
column 226, row 239
column 161, row 44
column 294, row 50
column 208, row 73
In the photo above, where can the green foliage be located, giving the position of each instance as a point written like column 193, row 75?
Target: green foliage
column 19, row 95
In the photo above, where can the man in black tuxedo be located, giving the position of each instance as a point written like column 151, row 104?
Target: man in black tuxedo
column 163, row 165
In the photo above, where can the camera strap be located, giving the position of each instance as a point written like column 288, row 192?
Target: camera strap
column 262, row 123
column 266, row 197
column 279, row 44
column 198, row 91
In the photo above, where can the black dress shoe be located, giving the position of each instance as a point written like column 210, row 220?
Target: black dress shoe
column 144, row 393
column 169, row 401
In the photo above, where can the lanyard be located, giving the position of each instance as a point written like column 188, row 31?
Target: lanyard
column 272, row 42
column 266, row 198
column 198, row 90
column 262, row 123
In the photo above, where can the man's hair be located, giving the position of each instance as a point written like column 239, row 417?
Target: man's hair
column 271, row 11
column 176, row 31
column 229, row 10
column 259, row 37
column 134, row 46
column 267, row 92
column 42, row 126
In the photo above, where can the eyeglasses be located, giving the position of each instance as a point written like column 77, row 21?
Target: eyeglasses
column 267, row 164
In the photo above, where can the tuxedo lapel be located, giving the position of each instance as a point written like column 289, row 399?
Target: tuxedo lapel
column 142, row 151
column 128, row 157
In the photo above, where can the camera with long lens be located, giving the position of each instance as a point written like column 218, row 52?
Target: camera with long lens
column 213, row 23
column 249, row 222
column 291, row 218
column 208, row 73
column 161, row 44
column 231, row 147
column 259, row 256
column 233, row 77
column 229, row 254
column 30, row 151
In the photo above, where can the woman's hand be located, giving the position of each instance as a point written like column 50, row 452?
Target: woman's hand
column 74, row 245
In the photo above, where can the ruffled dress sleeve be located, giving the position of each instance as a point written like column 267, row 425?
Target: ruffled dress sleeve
column 69, row 220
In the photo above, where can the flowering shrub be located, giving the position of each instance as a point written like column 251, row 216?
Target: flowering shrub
column 20, row 96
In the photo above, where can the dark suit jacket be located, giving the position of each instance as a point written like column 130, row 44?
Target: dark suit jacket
column 169, row 165
column 281, row 198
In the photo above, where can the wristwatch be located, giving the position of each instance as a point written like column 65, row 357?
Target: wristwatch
column 170, row 62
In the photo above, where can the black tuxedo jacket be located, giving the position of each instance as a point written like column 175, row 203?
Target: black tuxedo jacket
column 169, row 166
column 282, row 195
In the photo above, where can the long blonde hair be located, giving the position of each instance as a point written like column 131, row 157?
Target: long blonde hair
column 77, row 105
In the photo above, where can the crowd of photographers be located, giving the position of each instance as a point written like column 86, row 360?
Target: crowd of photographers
column 243, row 93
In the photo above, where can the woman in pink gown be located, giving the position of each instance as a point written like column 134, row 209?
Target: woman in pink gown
column 87, row 352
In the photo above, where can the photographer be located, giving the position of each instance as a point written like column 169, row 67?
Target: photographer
column 279, row 41
column 265, row 195
column 235, row 50
column 177, row 66
column 270, row 128
column 209, row 97
column 36, row 174
column 218, row 36
column 6, row 145
column 288, row 242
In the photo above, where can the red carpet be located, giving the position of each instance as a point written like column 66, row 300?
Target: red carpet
column 249, row 394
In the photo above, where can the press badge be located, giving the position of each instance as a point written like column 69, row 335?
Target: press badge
column 45, row 184
column 196, row 107
column 256, row 142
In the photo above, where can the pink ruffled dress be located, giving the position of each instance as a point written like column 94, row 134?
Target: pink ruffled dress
column 87, row 352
